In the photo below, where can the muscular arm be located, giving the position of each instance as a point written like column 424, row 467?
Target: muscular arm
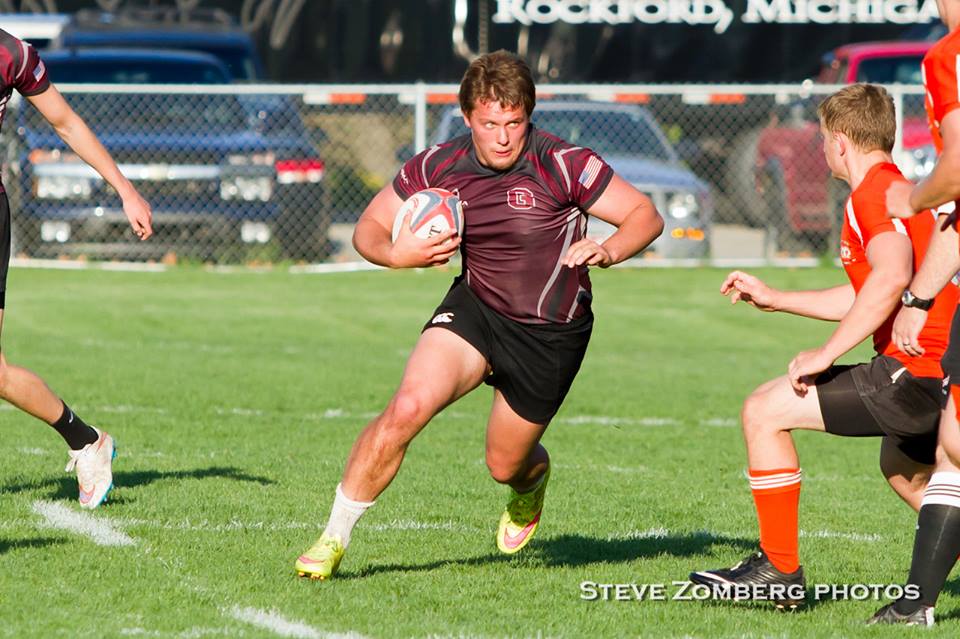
column 828, row 304
column 372, row 237
column 831, row 304
column 941, row 262
column 74, row 131
column 943, row 183
column 636, row 218
column 891, row 262
column 940, row 187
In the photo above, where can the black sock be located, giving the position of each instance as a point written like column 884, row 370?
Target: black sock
column 935, row 550
column 73, row 429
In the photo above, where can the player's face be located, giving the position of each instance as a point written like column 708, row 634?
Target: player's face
column 498, row 133
column 831, row 151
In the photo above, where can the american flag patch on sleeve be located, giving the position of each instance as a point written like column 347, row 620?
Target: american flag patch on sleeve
column 38, row 70
column 590, row 172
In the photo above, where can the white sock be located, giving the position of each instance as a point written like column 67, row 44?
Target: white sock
column 344, row 516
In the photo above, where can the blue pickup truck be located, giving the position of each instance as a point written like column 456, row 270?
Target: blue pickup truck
column 221, row 175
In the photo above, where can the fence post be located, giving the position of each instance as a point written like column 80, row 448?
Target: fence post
column 420, row 118
column 897, row 92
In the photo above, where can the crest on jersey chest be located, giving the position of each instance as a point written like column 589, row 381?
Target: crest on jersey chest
column 520, row 198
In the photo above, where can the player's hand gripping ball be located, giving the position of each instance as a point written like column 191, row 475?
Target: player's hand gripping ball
column 433, row 211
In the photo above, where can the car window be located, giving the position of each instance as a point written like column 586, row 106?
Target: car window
column 606, row 132
column 134, row 72
column 902, row 70
column 238, row 61
column 174, row 114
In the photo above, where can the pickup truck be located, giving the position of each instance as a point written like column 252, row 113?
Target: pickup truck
column 306, row 209
column 792, row 185
column 216, row 175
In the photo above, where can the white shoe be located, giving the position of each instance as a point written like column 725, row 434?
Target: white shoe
column 94, row 466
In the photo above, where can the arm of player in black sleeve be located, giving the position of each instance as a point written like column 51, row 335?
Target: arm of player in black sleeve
column 636, row 218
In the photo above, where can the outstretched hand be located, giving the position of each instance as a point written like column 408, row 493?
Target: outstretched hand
column 743, row 287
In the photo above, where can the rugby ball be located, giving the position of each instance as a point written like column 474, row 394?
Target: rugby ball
column 432, row 211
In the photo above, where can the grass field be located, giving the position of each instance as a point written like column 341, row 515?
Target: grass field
column 235, row 398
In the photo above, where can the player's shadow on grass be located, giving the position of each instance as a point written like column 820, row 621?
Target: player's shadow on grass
column 952, row 587
column 7, row 545
column 66, row 486
column 577, row 550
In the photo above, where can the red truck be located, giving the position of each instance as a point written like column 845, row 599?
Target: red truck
column 791, row 179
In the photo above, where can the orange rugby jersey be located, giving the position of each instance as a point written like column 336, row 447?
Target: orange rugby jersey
column 939, row 70
column 865, row 218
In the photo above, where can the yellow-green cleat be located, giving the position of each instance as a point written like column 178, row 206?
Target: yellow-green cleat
column 323, row 558
column 521, row 518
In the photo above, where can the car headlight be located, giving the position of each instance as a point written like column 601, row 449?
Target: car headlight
column 247, row 188
column 682, row 205
column 917, row 163
column 59, row 187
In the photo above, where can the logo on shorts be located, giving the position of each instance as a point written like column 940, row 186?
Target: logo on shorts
column 442, row 318
column 945, row 386
column 521, row 198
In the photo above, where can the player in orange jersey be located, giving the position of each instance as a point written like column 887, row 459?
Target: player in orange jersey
column 937, row 542
column 894, row 396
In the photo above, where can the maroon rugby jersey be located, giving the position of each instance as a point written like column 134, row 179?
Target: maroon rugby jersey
column 20, row 69
column 518, row 223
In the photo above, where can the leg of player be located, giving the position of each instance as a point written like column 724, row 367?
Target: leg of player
column 516, row 457
column 768, row 416
column 91, row 451
column 907, row 477
column 937, row 541
column 442, row 368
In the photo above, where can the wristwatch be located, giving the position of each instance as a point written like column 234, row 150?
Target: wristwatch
column 910, row 300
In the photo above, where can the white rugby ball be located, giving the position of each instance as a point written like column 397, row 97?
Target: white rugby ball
column 433, row 211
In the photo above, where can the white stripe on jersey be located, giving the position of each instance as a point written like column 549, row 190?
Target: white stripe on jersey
column 24, row 55
column 898, row 224
column 956, row 75
column 558, row 157
column 423, row 163
column 852, row 219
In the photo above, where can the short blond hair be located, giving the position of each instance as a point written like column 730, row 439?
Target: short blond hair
column 864, row 113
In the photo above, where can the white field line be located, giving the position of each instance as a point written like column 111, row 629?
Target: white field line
column 725, row 422
column 204, row 525
column 31, row 451
column 197, row 632
column 409, row 524
column 663, row 533
column 605, row 420
column 100, row 531
column 829, row 534
column 83, row 265
column 281, row 626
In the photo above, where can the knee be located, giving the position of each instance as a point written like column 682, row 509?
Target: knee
column 503, row 471
column 4, row 376
column 401, row 420
column 755, row 414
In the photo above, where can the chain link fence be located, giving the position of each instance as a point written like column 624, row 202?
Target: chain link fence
column 242, row 175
